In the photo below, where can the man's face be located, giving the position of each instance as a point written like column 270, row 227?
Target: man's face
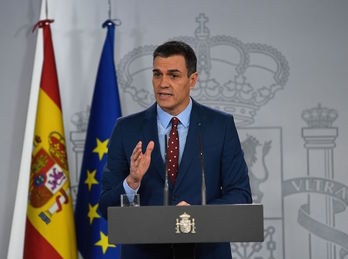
column 171, row 84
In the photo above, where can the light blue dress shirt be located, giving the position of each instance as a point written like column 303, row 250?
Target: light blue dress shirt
column 164, row 125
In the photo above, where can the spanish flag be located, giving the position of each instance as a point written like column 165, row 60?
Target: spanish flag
column 50, row 230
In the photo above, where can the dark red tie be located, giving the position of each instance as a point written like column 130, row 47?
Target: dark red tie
column 173, row 150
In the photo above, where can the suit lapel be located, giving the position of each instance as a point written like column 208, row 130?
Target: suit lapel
column 191, row 146
column 150, row 132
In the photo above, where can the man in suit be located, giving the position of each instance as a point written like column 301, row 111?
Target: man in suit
column 136, row 151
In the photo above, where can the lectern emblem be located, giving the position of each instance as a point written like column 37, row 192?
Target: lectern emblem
column 185, row 225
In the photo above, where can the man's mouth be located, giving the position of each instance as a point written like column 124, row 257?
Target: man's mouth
column 164, row 94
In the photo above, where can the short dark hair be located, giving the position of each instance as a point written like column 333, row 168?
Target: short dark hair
column 172, row 48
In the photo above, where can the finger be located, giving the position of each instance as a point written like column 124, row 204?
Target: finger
column 137, row 162
column 149, row 148
column 136, row 151
column 137, row 147
column 136, row 155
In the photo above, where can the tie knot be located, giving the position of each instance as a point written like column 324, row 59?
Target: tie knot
column 175, row 122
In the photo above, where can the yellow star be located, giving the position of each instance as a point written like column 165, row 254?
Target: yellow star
column 104, row 242
column 101, row 148
column 91, row 179
column 92, row 213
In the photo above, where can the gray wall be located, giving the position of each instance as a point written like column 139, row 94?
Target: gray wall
column 17, row 45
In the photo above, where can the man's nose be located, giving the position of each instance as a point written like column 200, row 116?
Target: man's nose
column 164, row 83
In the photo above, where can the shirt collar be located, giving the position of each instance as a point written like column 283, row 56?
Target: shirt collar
column 165, row 118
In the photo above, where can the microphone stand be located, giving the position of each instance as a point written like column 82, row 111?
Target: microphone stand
column 203, row 188
column 166, row 185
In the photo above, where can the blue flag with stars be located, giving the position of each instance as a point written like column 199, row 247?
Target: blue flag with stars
column 91, row 227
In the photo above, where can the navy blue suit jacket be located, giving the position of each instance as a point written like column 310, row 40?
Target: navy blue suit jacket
column 226, row 172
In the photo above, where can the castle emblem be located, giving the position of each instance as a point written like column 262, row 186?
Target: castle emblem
column 185, row 224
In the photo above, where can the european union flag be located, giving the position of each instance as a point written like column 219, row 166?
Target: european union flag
column 91, row 227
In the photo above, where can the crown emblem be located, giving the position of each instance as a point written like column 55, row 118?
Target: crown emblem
column 235, row 77
column 319, row 117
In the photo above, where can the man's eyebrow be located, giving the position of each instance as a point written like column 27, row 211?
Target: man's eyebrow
column 174, row 71
column 169, row 71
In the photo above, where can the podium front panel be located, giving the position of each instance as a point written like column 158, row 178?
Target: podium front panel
column 185, row 224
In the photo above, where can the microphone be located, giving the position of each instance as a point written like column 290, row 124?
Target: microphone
column 166, row 186
column 203, row 190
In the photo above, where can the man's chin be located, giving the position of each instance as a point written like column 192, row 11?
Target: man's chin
column 164, row 106
column 164, row 102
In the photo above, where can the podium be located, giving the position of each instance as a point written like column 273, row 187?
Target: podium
column 185, row 224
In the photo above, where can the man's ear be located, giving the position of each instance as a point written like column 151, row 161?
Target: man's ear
column 193, row 80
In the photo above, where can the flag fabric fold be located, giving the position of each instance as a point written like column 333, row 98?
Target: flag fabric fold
column 91, row 227
column 50, row 228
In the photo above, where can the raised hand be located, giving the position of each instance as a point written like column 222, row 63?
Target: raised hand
column 139, row 163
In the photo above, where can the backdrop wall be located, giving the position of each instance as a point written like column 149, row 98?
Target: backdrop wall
column 279, row 67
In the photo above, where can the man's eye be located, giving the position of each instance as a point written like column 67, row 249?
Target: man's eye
column 156, row 74
column 173, row 76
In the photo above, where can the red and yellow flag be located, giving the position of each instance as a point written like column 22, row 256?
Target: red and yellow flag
column 50, row 230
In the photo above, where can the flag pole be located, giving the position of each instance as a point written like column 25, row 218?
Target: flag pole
column 16, row 240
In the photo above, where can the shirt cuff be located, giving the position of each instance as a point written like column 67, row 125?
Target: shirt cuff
column 128, row 189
